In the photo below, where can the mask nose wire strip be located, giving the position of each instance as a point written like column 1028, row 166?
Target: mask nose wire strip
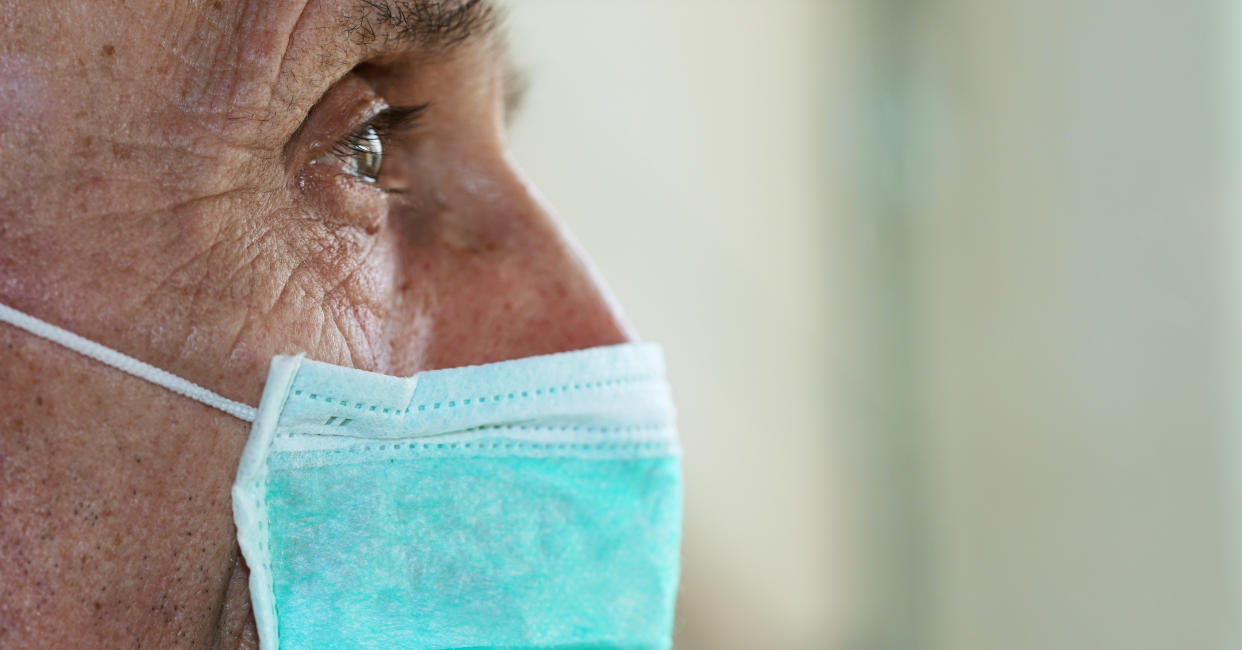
column 126, row 363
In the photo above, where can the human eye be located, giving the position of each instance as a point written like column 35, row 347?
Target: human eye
column 361, row 153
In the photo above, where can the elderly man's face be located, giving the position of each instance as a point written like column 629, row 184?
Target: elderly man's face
column 203, row 184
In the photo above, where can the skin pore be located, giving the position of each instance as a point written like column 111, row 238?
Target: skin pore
column 173, row 185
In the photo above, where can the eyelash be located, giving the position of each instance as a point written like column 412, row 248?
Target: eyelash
column 391, row 121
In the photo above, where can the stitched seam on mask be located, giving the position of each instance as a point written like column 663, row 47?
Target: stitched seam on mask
column 518, row 427
column 265, row 546
column 485, row 399
column 502, row 446
column 479, row 449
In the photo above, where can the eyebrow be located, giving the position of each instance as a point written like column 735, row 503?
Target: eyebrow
column 431, row 24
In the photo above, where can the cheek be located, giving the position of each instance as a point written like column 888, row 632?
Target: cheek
column 304, row 283
column 341, row 297
column 334, row 287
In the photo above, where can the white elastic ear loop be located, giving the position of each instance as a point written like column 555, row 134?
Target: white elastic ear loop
column 125, row 363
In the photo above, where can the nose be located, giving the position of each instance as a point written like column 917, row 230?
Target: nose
column 490, row 274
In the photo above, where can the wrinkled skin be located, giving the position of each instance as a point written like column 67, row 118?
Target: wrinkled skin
column 164, row 191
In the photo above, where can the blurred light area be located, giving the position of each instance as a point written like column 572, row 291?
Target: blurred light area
column 949, row 296
column 1073, row 236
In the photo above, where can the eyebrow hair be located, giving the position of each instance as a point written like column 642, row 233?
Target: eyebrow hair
column 437, row 24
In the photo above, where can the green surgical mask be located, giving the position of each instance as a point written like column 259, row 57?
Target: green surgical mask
column 533, row 503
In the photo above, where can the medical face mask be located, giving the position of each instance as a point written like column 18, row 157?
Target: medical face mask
column 531, row 504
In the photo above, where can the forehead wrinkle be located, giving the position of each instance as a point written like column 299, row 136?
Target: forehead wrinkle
column 218, row 61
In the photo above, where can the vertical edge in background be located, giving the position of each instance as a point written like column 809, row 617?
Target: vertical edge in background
column 893, row 616
column 1232, row 38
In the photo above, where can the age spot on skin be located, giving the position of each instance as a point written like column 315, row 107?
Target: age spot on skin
column 108, row 50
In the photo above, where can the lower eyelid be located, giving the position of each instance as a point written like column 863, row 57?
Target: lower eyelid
column 338, row 197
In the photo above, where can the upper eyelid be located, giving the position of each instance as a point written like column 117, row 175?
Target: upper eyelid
column 389, row 121
column 342, row 111
column 394, row 119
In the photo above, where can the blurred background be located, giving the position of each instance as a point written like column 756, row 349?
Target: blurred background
column 948, row 291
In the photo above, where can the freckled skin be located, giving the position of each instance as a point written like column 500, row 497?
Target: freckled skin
column 157, row 196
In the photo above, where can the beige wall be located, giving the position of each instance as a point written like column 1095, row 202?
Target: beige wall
column 949, row 290
column 1076, row 235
